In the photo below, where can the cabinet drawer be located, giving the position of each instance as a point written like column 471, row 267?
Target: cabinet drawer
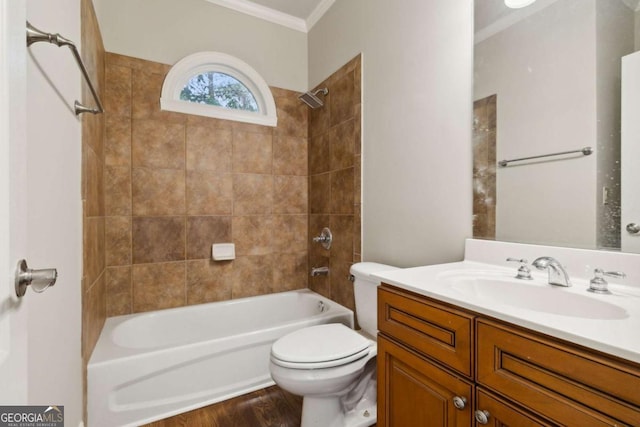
column 440, row 332
column 568, row 385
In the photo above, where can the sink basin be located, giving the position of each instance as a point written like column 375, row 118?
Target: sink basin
column 526, row 295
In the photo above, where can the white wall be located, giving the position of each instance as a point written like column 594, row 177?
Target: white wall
column 417, row 87
column 167, row 30
column 54, row 217
column 543, row 71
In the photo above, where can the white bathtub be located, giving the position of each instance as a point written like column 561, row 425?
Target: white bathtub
column 154, row 365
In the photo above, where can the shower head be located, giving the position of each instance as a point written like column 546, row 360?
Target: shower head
column 311, row 99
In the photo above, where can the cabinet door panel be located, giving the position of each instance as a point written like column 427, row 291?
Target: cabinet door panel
column 417, row 393
column 504, row 414
column 565, row 384
column 439, row 332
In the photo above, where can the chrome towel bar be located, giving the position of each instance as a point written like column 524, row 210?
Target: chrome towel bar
column 35, row 35
column 585, row 151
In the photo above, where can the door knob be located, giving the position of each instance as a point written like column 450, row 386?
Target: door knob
column 633, row 228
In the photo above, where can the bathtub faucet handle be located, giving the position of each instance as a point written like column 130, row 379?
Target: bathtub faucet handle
column 325, row 238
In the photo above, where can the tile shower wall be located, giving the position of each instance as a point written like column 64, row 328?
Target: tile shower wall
column 176, row 183
column 335, row 181
column 93, row 132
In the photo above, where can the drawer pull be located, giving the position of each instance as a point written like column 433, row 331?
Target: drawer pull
column 459, row 402
column 482, row 417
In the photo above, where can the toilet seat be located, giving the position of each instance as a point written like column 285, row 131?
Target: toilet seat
column 320, row 346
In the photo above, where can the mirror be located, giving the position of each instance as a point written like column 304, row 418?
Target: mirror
column 547, row 81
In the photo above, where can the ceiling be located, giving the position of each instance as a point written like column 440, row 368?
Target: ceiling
column 300, row 15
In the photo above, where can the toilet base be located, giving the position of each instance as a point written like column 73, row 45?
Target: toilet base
column 328, row 412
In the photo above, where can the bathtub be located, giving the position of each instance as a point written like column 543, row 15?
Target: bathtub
column 153, row 365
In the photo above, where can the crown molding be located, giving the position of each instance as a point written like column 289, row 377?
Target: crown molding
column 318, row 13
column 274, row 16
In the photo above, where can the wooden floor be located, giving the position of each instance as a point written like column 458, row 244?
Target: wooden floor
column 270, row 407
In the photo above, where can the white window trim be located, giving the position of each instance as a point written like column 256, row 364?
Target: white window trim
column 201, row 62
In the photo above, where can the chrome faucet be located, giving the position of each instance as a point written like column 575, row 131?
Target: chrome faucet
column 557, row 274
column 319, row 271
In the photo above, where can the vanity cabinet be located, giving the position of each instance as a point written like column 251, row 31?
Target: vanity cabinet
column 439, row 365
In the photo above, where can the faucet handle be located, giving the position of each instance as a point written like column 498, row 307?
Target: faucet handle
column 598, row 285
column 523, row 271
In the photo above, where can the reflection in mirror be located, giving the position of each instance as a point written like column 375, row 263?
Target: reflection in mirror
column 548, row 80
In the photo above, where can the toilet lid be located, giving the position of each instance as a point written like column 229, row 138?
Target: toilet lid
column 318, row 344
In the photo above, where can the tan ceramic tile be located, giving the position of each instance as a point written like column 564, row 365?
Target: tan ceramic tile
column 136, row 63
column 319, row 284
column 93, row 249
column 290, row 155
column 119, row 291
column 209, row 149
column 292, row 114
column 158, row 239
column 209, row 281
column 117, row 190
column 158, row 191
column 357, row 125
column 342, row 230
column 253, row 235
column 253, row 275
column 240, row 127
column 342, row 191
column 203, row 231
column 252, row 194
column 342, row 100
column 357, row 230
column 210, row 123
column 316, row 224
column 209, row 193
column 118, row 141
column 320, row 118
column 357, row 80
column 158, row 144
column 93, row 126
column 158, row 286
column 252, row 152
column 290, row 194
column 342, row 145
column 93, row 171
column 290, row 271
column 118, row 240
column 319, row 154
column 341, row 287
column 117, row 96
column 146, row 89
column 93, row 315
column 290, row 234
column 320, row 193
column 357, row 180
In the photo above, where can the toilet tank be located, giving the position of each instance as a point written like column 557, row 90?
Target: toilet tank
column 366, row 294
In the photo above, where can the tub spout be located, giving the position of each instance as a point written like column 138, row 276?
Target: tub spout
column 319, row 271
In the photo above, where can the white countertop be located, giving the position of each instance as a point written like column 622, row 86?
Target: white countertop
column 618, row 336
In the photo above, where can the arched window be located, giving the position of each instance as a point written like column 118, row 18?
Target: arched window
column 215, row 84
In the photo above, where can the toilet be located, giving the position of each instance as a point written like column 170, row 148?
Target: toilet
column 332, row 366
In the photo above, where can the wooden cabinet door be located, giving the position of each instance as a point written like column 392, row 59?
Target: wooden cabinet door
column 501, row 413
column 413, row 392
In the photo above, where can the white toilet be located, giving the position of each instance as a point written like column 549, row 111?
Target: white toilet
column 333, row 366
